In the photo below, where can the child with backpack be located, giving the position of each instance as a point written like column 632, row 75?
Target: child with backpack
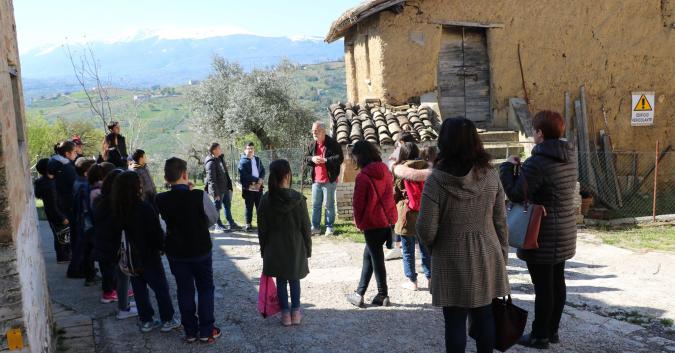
column 188, row 215
column 408, row 195
column 284, row 233
column 83, row 223
column 45, row 189
column 142, row 243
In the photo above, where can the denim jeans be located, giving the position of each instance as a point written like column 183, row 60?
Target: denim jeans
column 408, row 250
column 550, row 293
column 153, row 276
column 282, row 293
column 373, row 261
column 251, row 199
column 195, row 273
column 226, row 203
column 482, row 328
column 323, row 192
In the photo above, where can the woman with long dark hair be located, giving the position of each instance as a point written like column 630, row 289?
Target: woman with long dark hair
column 374, row 214
column 144, row 234
column 284, row 232
column 462, row 222
column 548, row 177
column 110, row 152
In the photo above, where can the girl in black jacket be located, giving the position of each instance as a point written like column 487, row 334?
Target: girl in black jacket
column 145, row 237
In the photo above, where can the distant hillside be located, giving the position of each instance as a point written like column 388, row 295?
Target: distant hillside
column 144, row 62
column 165, row 117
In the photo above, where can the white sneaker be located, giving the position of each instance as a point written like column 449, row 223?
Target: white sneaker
column 217, row 229
column 409, row 285
column 329, row 231
column 125, row 314
column 393, row 254
column 170, row 325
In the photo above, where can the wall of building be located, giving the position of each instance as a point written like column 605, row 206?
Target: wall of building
column 613, row 47
column 24, row 299
column 363, row 62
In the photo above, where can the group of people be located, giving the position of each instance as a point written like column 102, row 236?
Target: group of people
column 447, row 199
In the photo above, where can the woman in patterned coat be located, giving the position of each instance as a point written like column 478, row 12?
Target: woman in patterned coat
column 462, row 222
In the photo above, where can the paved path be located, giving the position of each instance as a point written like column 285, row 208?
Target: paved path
column 333, row 325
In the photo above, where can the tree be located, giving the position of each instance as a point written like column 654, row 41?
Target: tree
column 42, row 136
column 261, row 102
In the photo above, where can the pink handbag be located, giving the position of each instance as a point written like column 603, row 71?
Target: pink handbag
column 268, row 301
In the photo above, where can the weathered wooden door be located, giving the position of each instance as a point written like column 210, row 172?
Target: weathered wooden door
column 464, row 74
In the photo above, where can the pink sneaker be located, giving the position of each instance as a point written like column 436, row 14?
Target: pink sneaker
column 109, row 297
column 286, row 319
column 296, row 317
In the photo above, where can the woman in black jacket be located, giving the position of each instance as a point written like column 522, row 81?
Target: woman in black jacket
column 145, row 239
column 45, row 189
column 548, row 177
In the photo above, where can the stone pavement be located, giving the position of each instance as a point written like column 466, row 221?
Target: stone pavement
column 411, row 324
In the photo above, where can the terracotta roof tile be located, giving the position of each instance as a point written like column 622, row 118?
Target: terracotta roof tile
column 382, row 124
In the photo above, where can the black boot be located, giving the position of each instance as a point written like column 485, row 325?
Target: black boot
column 537, row 343
column 381, row 300
column 554, row 338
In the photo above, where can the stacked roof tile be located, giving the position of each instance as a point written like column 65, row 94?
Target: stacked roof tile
column 382, row 124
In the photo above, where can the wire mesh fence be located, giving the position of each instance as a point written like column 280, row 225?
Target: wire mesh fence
column 294, row 156
column 627, row 184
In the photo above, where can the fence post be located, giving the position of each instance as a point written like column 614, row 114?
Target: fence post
column 656, row 174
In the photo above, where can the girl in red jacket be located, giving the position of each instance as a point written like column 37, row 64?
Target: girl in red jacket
column 374, row 214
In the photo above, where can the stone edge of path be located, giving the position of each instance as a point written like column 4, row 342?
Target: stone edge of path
column 74, row 332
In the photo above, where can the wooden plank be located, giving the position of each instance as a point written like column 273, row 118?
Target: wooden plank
column 610, row 169
column 467, row 24
column 451, row 87
column 522, row 113
column 586, row 175
column 569, row 130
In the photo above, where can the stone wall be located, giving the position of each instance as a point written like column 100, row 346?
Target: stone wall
column 24, row 298
column 613, row 47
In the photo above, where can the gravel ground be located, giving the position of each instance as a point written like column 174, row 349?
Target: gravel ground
column 411, row 324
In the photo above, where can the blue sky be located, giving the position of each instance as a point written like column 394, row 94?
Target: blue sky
column 46, row 22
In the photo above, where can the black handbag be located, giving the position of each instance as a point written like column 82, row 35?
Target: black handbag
column 510, row 322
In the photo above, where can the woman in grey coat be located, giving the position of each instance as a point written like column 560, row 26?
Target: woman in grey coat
column 549, row 177
column 462, row 222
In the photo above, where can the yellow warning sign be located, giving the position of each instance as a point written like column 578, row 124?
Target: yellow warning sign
column 14, row 339
column 643, row 105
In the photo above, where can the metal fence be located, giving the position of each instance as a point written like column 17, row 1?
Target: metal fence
column 627, row 184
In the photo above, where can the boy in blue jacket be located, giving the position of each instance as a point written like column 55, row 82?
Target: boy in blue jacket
column 252, row 177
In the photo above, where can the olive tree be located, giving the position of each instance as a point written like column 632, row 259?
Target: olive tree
column 263, row 102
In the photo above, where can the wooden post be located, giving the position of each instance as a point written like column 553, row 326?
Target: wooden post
column 656, row 174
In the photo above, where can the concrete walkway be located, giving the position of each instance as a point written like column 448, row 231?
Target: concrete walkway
column 411, row 324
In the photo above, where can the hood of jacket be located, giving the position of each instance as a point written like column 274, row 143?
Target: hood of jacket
column 376, row 170
column 285, row 200
column 209, row 158
column 417, row 164
column 465, row 187
column 559, row 150
column 136, row 166
column 61, row 159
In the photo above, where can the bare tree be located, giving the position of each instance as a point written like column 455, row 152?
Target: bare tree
column 87, row 71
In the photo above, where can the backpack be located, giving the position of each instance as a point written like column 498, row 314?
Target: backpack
column 84, row 215
column 413, row 190
column 129, row 260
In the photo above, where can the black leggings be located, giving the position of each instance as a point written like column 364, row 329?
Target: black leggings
column 550, row 295
column 482, row 328
column 373, row 260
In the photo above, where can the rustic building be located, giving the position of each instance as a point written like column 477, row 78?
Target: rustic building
column 24, row 299
column 466, row 56
column 497, row 62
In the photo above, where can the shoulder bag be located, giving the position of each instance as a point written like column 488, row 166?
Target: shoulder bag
column 524, row 220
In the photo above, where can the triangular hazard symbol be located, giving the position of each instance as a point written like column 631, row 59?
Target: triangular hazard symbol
column 643, row 105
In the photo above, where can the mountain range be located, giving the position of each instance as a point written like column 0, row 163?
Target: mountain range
column 144, row 61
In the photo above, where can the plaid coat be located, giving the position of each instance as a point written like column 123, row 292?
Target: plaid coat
column 462, row 221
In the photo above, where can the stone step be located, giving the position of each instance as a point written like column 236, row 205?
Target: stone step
column 499, row 136
column 503, row 150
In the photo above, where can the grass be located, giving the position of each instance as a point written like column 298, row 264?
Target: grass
column 642, row 237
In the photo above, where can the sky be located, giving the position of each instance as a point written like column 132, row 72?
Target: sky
column 50, row 22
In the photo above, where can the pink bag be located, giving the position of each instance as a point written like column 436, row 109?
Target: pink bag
column 268, row 301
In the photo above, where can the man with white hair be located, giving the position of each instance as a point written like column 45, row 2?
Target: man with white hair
column 325, row 157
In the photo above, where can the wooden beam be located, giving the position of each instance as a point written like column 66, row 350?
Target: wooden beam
column 466, row 24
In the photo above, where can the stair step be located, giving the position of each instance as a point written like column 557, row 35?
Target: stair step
column 499, row 136
column 503, row 150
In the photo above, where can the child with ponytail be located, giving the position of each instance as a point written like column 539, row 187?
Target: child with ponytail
column 284, row 232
